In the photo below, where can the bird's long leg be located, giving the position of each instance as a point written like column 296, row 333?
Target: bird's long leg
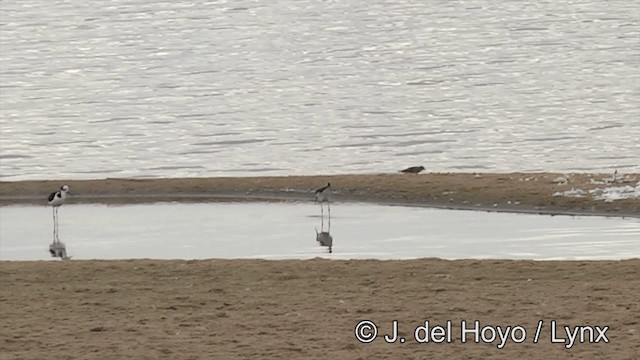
column 329, row 207
column 329, row 228
column 321, row 210
column 321, row 223
column 53, row 211
column 57, row 226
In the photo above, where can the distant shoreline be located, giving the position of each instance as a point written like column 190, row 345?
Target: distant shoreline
column 504, row 192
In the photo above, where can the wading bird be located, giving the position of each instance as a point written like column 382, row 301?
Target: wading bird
column 322, row 195
column 56, row 199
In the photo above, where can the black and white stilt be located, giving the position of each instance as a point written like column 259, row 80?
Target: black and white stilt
column 56, row 199
column 323, row 195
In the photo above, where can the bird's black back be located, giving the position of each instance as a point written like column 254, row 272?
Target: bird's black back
column 323, row 188
column 52, row 195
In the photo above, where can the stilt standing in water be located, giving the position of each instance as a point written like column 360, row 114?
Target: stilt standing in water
column 56, row 199
column 322, row 195
column 324, row 237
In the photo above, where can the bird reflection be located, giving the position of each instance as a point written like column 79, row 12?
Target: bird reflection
column 58, row 249
column 324, row 237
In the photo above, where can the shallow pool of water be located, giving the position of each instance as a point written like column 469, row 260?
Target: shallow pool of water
column 288, row 231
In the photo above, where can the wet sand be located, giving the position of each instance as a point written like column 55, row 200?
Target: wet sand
column 238, row 309
column 513, row 192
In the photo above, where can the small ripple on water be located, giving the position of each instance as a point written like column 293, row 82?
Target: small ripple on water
column 368, row 126
column 161, row 122
column 424, row 82
column 209, row 151
column 216, row 134
column 470, row 166
column 97, row 171
column 14, row 156
column 425, row 152
column 111, row 120
column 419, row 142
column 232, row 142
column 250, row 169
column 174, row 167
column 605, row 127
column 544, row 139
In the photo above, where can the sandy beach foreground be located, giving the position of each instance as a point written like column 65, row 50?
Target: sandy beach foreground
column 514, row 192
column 308, row 309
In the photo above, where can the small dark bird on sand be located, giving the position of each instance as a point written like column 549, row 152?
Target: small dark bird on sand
column 413, row 170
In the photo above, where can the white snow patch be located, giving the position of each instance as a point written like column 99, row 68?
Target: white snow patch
column 571, row 193
column 616, row 193
column 608, row 194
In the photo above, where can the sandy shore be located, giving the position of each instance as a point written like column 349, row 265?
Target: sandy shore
column 228, row 309
column 518, row 192
column 238, row 309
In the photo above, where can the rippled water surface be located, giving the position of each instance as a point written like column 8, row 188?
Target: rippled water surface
column 93, row 89
column 288, row 231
